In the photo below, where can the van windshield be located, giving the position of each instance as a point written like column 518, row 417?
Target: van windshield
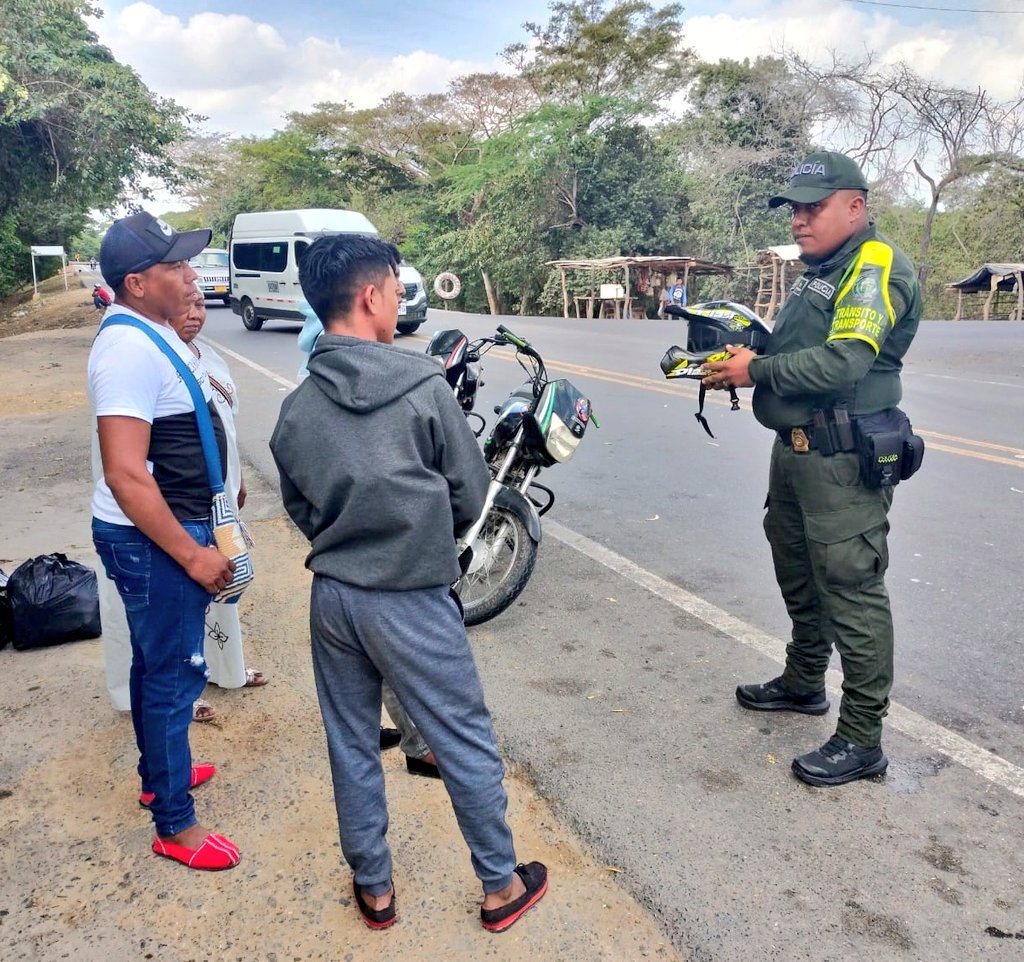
column 210, row 259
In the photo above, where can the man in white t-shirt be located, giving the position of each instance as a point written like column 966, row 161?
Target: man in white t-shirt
column 151, row 523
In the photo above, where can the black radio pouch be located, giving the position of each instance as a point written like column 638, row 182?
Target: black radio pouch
column 889, row 450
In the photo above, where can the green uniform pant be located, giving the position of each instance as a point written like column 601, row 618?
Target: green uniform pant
column 828, row 538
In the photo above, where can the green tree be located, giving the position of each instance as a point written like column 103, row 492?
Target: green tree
column 630, row 52
column 78, row 130
column 748, row 124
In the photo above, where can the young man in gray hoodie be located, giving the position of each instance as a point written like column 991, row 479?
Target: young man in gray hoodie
column 380, row 471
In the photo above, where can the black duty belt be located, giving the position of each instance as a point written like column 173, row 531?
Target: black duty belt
column 828, row 434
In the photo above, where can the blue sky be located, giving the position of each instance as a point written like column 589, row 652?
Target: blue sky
column 245, row 63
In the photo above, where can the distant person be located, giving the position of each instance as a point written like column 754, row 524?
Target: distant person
column 674, row 294
column 151, row 516
column 101, row 298
column 380, row 470
column 833, row 361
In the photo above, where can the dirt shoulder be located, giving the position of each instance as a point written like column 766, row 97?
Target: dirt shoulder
column 54, row 308
column 79, row 880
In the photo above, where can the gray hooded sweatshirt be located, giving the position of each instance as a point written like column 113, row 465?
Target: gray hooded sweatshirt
column 378, row 466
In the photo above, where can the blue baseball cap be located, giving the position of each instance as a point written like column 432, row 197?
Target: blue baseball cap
column 136, row 243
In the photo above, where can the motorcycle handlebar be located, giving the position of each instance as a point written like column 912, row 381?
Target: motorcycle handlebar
column 513, row 339
column 519, row 343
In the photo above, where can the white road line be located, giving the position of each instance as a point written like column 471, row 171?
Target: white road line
column 276, row 378
column 958, row 377
column 973, row 757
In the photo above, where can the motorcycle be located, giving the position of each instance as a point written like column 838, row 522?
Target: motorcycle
column 539, row 425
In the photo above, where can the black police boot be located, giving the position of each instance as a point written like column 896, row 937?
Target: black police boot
column 776, row 695
column 838, row 762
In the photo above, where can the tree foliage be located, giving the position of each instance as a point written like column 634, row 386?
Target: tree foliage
column 610, row 137
column 77, row 129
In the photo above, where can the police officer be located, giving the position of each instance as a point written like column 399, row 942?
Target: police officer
column 835, row 354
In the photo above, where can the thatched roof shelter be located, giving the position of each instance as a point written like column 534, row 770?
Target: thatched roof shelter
column 640, row 275
column 993, row 280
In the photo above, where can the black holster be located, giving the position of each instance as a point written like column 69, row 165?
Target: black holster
column 889, row 450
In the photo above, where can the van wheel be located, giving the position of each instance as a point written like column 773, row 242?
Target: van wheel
column 409, row 328
column 249, row 318
column 227, row 301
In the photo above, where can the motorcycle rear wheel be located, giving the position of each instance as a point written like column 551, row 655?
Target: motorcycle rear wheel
column 511, row 555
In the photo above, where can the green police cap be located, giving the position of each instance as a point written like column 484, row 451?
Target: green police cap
column 821, row 174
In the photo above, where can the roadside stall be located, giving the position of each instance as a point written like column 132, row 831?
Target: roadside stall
column 992, row 292
column 616, row 286
column 777, row 267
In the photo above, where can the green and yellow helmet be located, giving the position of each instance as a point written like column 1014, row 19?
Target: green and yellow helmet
column 710, row 326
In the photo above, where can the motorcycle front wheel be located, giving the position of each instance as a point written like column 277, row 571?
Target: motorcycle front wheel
column 503, row 558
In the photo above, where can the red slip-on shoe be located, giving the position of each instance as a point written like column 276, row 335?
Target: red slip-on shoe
column 200, row 774
column 374, row 919
column 535, row 878
column 215, row 854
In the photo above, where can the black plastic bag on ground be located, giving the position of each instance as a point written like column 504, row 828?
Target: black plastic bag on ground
column 53, row 600
column 6, row 619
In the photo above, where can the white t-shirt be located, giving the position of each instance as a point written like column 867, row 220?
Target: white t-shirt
column 130, row 377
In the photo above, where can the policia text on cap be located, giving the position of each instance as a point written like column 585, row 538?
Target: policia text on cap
column 833, row 359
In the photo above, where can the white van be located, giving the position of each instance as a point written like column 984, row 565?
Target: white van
column 265, row 251
column 211, row 264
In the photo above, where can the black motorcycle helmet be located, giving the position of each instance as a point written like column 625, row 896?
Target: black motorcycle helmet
column 710, row 327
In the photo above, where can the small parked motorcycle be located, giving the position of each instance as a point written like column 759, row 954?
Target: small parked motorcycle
column 539, row 425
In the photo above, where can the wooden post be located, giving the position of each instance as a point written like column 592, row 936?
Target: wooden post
column 959, row 305
column 593, row 294
column 1020, row 295
column 626, row 297
column 565, row 294
column 686, row 281
column 993, row 287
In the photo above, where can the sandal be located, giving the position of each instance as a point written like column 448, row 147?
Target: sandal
column 535, row 878
column 254, row 678
column 203, row 711
column 215, row 854
column 374, row 918
column 200, row 774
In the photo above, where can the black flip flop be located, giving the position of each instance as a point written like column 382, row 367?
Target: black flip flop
column 535, row 878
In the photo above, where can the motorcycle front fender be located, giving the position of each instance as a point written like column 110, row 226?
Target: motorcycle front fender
column 517, row 503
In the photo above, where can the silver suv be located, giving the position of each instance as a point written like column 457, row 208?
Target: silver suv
column 211, row 265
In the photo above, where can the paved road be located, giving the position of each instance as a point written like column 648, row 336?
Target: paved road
column 611, row 680
column 957, row 546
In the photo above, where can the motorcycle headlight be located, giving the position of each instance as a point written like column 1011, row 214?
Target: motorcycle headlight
column 560, row 441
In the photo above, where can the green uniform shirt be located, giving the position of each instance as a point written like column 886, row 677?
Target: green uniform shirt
column 841, row 335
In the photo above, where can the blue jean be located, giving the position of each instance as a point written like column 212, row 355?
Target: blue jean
column 165, row 610
column 416, row 642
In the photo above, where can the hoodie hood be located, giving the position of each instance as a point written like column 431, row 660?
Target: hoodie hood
column 362, row 375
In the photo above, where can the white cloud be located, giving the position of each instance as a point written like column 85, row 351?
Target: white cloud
column 245, row 76
column 987, row 53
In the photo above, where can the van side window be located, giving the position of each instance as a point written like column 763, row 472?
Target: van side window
column 270, row 257
column 301, row 247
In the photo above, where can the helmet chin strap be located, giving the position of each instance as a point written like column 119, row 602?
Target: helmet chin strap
column 703, row 421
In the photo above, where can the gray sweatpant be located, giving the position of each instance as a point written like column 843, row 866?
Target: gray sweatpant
column 416, row 642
